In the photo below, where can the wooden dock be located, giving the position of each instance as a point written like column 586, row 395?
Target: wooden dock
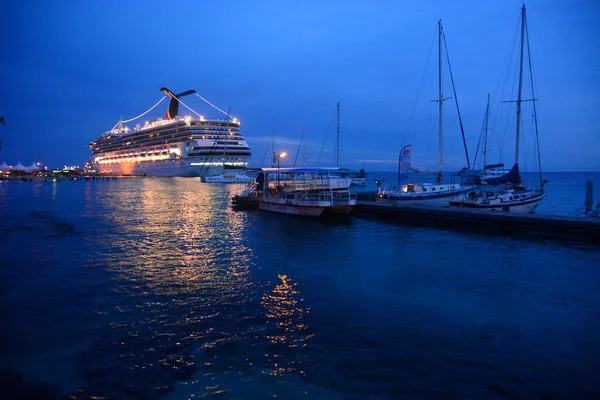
column 505, row 223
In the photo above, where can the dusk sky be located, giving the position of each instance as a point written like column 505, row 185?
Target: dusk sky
column 71, row 69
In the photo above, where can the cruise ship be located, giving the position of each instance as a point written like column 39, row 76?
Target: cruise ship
column 171, row 146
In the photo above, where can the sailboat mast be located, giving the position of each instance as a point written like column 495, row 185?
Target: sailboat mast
column 441, row 101
column 337, row 145
column 485, row 137
column 304, row 148
column 273, row 145
column 519, row 98
column 537, row 137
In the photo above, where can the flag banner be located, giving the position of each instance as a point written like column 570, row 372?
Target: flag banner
column 404, row 162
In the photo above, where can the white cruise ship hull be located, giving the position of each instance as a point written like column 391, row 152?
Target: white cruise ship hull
column 164, row 168
column 173, row 146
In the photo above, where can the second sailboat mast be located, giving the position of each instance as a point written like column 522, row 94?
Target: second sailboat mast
column 440, row 101
column 519, row 98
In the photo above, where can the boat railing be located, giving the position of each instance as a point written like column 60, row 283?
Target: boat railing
column 251, row 188
column 309, row 185
column 332, row 196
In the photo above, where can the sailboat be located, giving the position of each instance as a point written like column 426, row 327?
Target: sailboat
column 494, row 174
column 357, row 178
column 515, row 197
column 491, row 174
column 424, row 193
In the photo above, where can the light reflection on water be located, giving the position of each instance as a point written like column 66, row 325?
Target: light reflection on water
column 141, row 286
column 285, row 311
column 187, row 300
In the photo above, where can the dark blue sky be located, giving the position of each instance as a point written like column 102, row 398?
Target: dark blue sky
column 71, row 69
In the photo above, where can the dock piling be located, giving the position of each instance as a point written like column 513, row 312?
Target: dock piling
column 589, row 195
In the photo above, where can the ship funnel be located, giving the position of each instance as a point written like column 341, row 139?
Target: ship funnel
column 173, row 109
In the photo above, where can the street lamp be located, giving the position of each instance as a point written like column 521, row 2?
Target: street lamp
column 281, row 155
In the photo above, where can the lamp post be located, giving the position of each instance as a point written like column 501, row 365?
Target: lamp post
column 281, row 155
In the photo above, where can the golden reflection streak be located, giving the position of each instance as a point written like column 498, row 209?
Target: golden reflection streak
column 287, row 315
column 177, row 255
column 179, row 237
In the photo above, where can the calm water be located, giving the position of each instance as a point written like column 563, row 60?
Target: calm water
column 155, row 288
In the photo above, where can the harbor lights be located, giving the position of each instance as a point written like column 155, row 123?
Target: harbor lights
column 281, row 155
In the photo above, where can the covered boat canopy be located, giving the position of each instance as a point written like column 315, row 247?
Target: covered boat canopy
column 512, row 176
column 493, row 166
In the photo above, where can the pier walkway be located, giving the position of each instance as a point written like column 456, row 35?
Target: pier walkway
column 490, row 222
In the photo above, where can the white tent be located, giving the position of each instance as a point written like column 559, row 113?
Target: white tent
column 3, row 166
column 33, row 167
column 19, row 167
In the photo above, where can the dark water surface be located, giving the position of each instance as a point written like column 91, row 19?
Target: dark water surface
column 155, row 288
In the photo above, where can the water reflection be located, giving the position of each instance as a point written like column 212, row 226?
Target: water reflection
column 161, row 285
column 287, row 318
column 181, row 276
column 177, row 239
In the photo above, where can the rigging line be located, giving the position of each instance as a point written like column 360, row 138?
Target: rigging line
column 496, row 117
column 533, row 97
column 213, row 149
column 185, row 105
column 509, row 112
column 272, row 140
column 483, row 124
column 326, row 135
column 141, row 115
column 414, row 110
column 456, row 101
column 299, row 145
column 212, row 105
column 209, row 158
column 226, row 137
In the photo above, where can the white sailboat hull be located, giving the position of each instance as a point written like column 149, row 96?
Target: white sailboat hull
column 425, row 193
column 507, row 201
